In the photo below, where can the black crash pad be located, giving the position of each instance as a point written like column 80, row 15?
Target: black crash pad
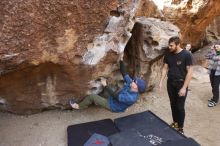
column 181, row 142
column 128, row 138
column 140, row 129
column 78, row 134
column 148, row 125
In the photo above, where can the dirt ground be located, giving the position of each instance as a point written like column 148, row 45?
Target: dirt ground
column 49, row 128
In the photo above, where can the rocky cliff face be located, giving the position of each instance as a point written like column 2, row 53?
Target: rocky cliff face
column 191, row 16
column 213, row 30
column 51, row 51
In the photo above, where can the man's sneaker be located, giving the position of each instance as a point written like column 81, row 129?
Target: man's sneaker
column 212, row 104
column 180, row 130
column 174, row 125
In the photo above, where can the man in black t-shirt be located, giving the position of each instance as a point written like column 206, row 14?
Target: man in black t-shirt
column 178, row 63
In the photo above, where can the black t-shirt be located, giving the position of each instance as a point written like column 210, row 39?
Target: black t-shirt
column 177, row 64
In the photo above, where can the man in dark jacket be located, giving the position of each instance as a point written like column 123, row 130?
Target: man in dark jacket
column 116, row 102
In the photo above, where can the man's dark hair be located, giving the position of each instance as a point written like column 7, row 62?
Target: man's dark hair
column 175, row 39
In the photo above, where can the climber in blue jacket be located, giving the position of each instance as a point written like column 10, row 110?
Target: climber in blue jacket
column 117, row 101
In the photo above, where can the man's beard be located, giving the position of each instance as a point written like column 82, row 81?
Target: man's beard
column 173, row 50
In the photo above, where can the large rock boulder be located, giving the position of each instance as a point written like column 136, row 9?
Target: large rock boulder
column 51, row 51
column 46, row 49
column 147, row 45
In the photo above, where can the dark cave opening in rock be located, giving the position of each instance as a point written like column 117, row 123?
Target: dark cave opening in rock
column 133, row 49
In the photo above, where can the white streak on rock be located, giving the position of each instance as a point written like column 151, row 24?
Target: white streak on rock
column 115, row 37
